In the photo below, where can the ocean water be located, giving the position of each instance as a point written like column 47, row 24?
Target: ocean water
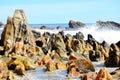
column 52, row 26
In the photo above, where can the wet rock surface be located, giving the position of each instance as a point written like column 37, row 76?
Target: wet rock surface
column 23, row 51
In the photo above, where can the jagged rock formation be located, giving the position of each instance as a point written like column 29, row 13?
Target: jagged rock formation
column 17, row 30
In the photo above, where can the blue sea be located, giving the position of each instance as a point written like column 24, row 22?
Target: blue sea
column 53, row 26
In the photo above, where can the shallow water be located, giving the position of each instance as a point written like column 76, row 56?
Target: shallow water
column 40, row 74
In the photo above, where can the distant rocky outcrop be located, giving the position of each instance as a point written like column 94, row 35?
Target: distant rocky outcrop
column 1, row 24
column 73, row 24
column 108, row 24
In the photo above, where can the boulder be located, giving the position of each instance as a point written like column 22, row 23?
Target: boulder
column 17, row 29
column 73, row 24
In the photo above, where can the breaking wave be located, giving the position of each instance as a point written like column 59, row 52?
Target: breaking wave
column 108, row 35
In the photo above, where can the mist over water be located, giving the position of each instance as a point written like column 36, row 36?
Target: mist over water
column 108, row 35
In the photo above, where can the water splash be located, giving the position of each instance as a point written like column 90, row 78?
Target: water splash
column 108, row 35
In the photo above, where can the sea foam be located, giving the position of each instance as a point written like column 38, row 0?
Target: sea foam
column 108, row 35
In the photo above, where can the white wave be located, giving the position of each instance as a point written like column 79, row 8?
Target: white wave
column 1, row 28
column 110, row 36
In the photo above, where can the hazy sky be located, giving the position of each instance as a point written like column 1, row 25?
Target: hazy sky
column 61, row 11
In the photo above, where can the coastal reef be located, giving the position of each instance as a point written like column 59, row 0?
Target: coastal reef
column 22, row 49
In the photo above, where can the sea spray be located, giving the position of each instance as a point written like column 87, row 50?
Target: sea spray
column 108, row 35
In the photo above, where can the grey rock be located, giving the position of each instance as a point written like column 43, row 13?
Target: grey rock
column 73, row 24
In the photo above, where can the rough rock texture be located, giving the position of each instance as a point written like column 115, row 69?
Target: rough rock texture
column 108, row 25
column 103, row 74
column 73, row 24
column 81, row 62
column 114, row 56
column 16, row 30
column 20, row 64
column 4, row 73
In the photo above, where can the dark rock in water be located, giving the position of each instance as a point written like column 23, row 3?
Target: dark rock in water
column 1, row 24
column 73, row 24
column 17, row 30
column 43, row 27
column 108, row 25
column 58, row 27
